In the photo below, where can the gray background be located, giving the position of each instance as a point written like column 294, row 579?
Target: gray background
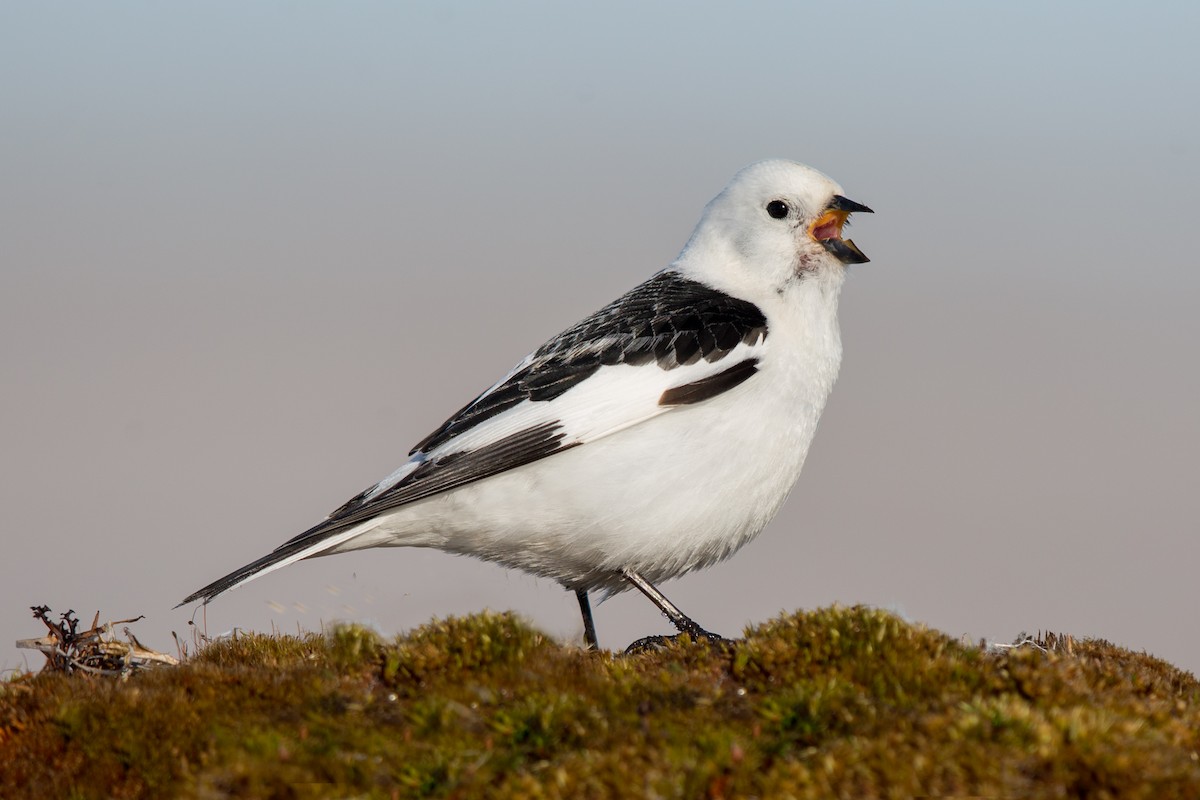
column 252, row 252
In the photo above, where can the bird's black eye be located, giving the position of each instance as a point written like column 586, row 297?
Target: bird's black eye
column 778, row 209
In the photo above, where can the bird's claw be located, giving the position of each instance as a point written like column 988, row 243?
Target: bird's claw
column 650, row 644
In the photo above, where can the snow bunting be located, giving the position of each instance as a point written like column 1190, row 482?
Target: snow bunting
column 654, row 437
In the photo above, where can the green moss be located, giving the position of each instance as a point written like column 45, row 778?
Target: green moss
column 836, row 702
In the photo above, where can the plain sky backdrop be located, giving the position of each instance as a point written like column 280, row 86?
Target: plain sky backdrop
column 251, row 252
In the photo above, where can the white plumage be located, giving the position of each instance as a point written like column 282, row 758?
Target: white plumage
column 654, row 438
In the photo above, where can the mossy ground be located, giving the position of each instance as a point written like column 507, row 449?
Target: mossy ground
column 834, row 703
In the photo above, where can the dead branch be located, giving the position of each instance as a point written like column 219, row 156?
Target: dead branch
column 95, row 651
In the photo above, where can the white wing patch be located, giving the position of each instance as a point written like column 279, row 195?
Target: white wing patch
column 614, row 398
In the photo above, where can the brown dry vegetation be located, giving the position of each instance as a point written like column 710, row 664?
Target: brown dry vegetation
column 833, row 703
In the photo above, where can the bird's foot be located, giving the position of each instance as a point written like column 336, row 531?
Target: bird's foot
column 650, row 644
column 682, row 622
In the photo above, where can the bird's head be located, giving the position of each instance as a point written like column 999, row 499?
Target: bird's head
column 776, row 220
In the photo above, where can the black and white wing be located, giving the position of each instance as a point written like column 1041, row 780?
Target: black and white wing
column 667, row 343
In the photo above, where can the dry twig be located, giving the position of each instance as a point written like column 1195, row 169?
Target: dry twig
column 96, row 650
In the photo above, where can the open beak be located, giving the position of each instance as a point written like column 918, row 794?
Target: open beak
column 828, row 230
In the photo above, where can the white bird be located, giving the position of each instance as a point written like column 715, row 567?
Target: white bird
column 652, row 438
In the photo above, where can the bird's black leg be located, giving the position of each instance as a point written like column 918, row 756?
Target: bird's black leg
column 589, row 627
column 685, row 624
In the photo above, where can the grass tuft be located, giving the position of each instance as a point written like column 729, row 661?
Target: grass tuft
column 835, row 702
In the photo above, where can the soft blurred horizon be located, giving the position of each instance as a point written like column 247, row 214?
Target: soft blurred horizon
column 252, row 252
